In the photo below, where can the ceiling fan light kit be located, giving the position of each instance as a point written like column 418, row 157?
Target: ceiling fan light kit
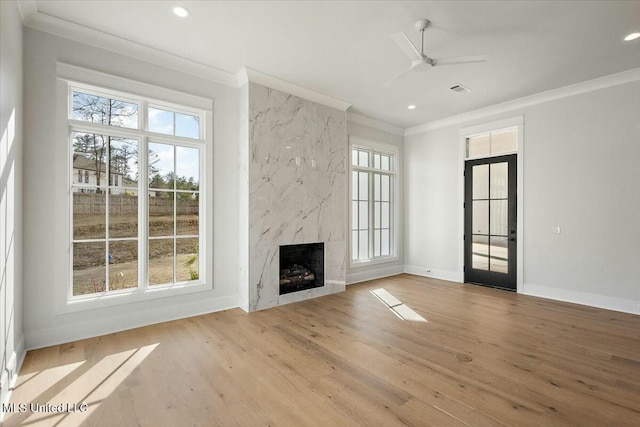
column 420, row 61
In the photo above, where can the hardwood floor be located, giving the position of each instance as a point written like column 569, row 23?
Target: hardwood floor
column 346, row 359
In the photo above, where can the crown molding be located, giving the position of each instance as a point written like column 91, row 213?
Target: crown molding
column 263, row 79
column 27, row 9
column 374, row 123
column 539, row 98
column 59, row 27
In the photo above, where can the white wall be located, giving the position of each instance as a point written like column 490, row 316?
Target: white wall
column 581, row 172
column 359, row 274
column 46, row 199
column 11, row 189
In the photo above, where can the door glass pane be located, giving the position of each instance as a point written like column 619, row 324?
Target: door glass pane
column 479, row 146
column 480, row 253
column 160, row 261
column 499, row 252
column 123, row 264
column 123, row 213
column 504, row 141
column 89, row 271
column 499, row 217
column 480, row 217
column 499, row 180
column 481, row 182
column 89, row 215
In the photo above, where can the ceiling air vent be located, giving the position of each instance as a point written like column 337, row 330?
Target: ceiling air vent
column 460, row 88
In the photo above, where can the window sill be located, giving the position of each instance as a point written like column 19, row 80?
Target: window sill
column 371, row 262
column 123, row 298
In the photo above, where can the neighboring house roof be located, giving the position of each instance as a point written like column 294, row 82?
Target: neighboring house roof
column 83, row 162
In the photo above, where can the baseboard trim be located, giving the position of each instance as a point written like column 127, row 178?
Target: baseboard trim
column 374, row 273
column 583, row 298
column 452, row 276
column 9, row 382
column 78, row 331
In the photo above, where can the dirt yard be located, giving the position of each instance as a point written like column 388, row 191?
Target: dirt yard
column 89, row 272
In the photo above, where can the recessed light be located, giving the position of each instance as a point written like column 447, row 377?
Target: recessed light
column 180, row 11
column 632, row 36
column 411, row 107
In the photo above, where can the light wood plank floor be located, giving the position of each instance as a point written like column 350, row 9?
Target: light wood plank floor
column 346, row 359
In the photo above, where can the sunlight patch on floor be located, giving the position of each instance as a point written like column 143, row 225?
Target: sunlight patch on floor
column 398, row 308
column 88, row 384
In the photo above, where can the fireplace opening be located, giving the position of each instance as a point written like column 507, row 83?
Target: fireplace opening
column 301, row 267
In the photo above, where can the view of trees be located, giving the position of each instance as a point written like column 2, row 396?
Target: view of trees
column 122, row 152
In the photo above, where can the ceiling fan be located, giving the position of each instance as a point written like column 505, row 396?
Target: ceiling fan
column 420, row 61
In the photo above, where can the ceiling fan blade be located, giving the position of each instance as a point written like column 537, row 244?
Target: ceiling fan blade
column 407, row 47
column 388, row 82
column 461, row 60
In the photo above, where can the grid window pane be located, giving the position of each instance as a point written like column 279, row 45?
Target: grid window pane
column 364, row 186
column 363, row 215
column 386, row 243
column 376, row 243
column 354, row 185
column 363, row 244
column 363, row 158
column 354, row 244
column 385, row 185
column 376, row 214
column 376, row 187
column 187, row 169
column 386, row 163
column 123, row 264
column 161, row 217
column 161, row 121
column 354, row 157
column 479, row 146
column 89, row 270
column 504, row 141
column 187, row 126
column 354, row 215
column 123, row 161
column 385, row 208
column 90, row 155
column 123, row 213
column 161, row 165
column 376, row 161
column 103, row 110
column 187, row 214
column 161, row 261
column 89, row 216
column 187, row 261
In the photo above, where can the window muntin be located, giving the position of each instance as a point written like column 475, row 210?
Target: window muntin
column 108, row 231
column 372, row 204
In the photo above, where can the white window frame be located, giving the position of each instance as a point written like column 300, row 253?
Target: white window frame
column 394, row 152
column 468, row 132
column 72, row 78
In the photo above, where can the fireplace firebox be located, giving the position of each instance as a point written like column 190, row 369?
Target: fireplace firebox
column 301, row 267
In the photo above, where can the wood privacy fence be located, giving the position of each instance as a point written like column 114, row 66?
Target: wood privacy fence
column 122, row 204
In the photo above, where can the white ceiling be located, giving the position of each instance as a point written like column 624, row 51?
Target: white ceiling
column 343, row 48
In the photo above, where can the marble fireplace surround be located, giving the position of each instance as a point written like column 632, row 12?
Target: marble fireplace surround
column 294, row 162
